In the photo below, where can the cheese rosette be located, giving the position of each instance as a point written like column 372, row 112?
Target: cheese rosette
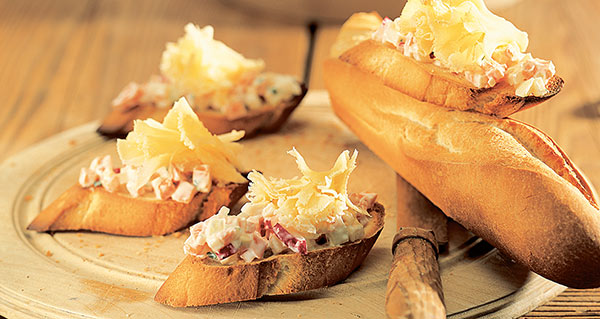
column 463, row 36
column 212, row 77
column 301, row 214
column 180, row 143
column 198, row 64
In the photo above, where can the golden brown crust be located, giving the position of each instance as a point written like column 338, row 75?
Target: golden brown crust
column 544, row 148
column 429, row 83
column 96, row 209
column 201, row 282
column 502, row 179
column 264, row 120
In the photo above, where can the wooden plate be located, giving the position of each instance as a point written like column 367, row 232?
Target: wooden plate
column 82, row 274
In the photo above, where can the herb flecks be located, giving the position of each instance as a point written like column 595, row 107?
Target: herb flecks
column 211, row 255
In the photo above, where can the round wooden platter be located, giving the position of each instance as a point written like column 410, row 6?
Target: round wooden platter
column 91, row 275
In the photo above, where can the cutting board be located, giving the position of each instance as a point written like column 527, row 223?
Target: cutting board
column 93, row 275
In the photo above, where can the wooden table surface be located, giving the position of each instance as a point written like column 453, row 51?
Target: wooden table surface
column 61, row 63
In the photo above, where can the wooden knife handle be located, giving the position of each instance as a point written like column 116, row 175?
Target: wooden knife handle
column 414, row 288
column 423, row 214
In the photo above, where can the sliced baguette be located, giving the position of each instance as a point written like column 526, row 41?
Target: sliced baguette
column 427, row 82
column 504, row 180
column 268, row 119
column 96, row 209
column 201, row 282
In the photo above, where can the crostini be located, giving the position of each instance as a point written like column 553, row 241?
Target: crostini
column 294, row 235
column 457, row 56
column 174, row 173
column 227, row 91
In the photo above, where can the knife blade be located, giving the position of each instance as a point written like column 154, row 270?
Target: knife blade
column 414, row 287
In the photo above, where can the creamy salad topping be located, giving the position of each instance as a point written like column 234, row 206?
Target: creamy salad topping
column 174, row 159
column 286, row 215
column 466, row 38
column 165, row 183
column 211, row 76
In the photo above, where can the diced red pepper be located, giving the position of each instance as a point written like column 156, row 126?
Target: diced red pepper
column 295, row 244
column 226, row 251
column 264, row 227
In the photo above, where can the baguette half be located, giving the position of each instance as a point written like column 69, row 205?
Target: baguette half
column 268, row 119
column 425, row 81
column 96, row 209
column 201, row 282
column 504, row 180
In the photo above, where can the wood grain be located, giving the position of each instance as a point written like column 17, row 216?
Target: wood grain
column 415, row 210
column 63, row 61
column 477, row 278
column 414, row 289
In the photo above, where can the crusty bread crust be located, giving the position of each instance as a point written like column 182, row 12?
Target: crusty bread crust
column 430, row 83
column 98, row 210
column 268, row 119
column 201, row 282
column 504, row 180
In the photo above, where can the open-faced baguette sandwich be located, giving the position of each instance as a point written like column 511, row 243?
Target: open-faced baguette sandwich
column 227, row 91
column 294, row 235
column 505, row 180
column 174, row 174
column 404, row 54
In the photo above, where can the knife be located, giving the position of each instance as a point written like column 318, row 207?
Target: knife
column 414, row 288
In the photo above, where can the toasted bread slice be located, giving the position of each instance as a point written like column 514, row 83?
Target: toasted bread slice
column 264, row 120
column 98, row 210
column 425, row 81
column 430, row 83
column 201, row 282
